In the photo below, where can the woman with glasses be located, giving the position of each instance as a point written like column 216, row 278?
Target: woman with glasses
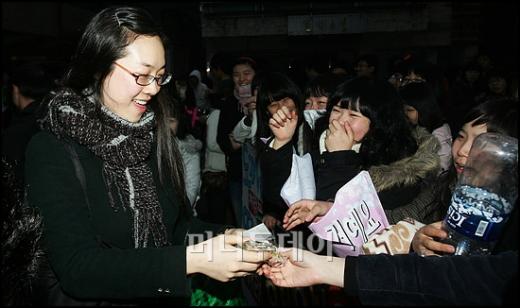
column 108, row 180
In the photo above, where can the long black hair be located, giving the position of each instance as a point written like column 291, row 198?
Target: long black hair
column 420, row 96
column 103, row 42
column 389, row 137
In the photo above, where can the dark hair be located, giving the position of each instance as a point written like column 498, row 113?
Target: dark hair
column 244, row 60
column 499, row 73
column 32, row 80
column 275, row 86
column 341, row 64
column 500, row 116
column 190, row 100
column 370, row 59
column 318, row 62
column 472, row 66
column 221, row 60
column 183, row 121
column 420, row 96
column 390, row 135
column 103, row 42
column 256, row 83
column 322, row 85
column 416, row 65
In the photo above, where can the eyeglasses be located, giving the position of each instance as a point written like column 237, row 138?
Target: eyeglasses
column 144, row 80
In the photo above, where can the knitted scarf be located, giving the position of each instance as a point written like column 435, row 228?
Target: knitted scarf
column 124, row 148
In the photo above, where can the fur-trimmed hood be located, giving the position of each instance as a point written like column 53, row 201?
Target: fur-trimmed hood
column 21, row 235
column 410, row 170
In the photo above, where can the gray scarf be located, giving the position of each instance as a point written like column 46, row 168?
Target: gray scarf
column 124, row 148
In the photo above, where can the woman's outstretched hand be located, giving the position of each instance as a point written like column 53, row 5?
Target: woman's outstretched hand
column 221, row 258
column 303, row 268
column 305, row 211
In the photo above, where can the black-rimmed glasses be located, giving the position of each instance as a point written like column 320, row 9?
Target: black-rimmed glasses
column 144, row 80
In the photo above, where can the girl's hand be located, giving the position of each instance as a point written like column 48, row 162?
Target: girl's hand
column 425, row 241
column 234, row 144
column 251, row 105
column 305, row 211
column 283, row 125
column 339, row 137
column 304, row 268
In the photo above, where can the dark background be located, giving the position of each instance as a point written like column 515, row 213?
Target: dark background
column 445, row 33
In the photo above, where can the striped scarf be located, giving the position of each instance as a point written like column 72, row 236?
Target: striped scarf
column 124, row 148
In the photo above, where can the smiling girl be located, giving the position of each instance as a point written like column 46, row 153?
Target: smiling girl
column 368, row 130
column 493, row 116
column 107, row 176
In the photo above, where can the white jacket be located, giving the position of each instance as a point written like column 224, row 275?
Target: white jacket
column 190, row 151
column 241, row 132
column 443, row 134
column 200, row 91
column 215, row 159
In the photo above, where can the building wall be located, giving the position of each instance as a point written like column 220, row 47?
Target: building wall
column 281, row 32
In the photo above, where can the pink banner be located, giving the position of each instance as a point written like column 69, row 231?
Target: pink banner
column 356, row 215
